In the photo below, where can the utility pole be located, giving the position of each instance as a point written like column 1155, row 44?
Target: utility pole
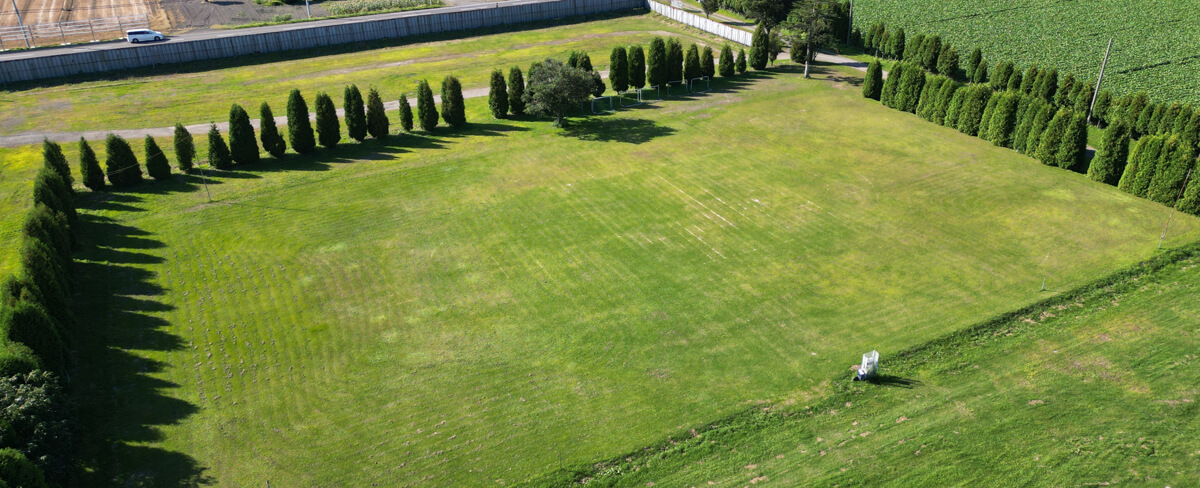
column 1096, row 92
column 21, row 23
column 306, row 7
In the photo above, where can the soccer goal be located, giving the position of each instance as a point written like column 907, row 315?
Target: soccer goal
column 678, row 84
column 602, row 102
column 629, row 98
column 645, row 93
column 695, row 85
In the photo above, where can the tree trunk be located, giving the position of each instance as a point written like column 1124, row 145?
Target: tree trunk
column 558, row 120
column 807, row 56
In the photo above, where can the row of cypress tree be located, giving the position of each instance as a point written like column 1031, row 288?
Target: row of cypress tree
column 35, row 318
column 929, row 52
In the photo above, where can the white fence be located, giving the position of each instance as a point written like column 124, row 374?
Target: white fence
column 73, row 31
column 710, row 26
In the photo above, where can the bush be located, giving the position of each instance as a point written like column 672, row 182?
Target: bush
column 516, row 92
column 947, row 63
column 17, row 471
column 1052, row 138
column 50, row 227
column 945, row 97
column 377, row 120
column 121, row 166
column 873, row 83
column 674, row 60
column 1102, row 110
column 243, row 147
column 30, row 325
column 157, row 165
column 912, row 50
column 908, row 94
column 618, row 69
column 891, row 85
column 1072, row 150
column 329, row 130
column 930, row 53
column 656, row 64
column 741, row 61
column 300, row 131
column 1062, row 96
column 707, row 66
column 929, row 96
column 1030, row 78
column 426, row 109
column 760, row 49
column 218, row 152
column 973, row 62
column 35, row 413
column 691, row 64
column 1041, row 120
column 981, row 74
column 269, row 133
column 1014, row 81
column 726, row 65
column 636, row 62
column 985, row 121
column 1148, row 159
column 498, row 95
column 1168, row 181
column 353, row 111
column 971, row 112
column 1004, row 120
column 896, row 43
column 1048, row 85
column 1110, row 160
column 89, row 167
column 406, row 115
column 53, row 158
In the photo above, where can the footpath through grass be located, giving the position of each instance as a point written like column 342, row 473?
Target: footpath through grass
column 1094, row 388
column 460, row 309
column 1155, row 45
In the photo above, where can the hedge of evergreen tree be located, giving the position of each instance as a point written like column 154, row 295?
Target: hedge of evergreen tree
column 637, row 67
column 618, row 69
column 218, row 152
column 243, row 147
column 707, row 65
column 656, row 63
column 300, row 131
column 674, row 61
column 691, row 64
column 377, row 120
column 268, row 132
column 873, row 83
column 1110, row 160
column 912, row 49
column 726, row 67
column 1166, row 184
column 930, row 52
column 741, row 61
column 185, row 148
column 54, row 159
column 516, row 92
column 973, row 105
column 498, row 95
column 426, row 108
column 89, row 167
column 157, row 165
column 120, row 165
column 354, row 112
column 947, row 63
column 453, row 108
column 329, row 130
column 908, row 93
column 974, row 61
column 760, row 48
column 406, row 115
column 1004, row 120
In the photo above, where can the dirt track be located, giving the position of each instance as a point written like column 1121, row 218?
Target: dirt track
column 52, row 11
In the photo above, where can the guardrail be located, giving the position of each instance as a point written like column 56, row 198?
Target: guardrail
column 90, row 30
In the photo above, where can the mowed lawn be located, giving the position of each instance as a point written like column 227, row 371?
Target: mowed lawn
column 1098, row 392
column 473, row 308
column 164, row 96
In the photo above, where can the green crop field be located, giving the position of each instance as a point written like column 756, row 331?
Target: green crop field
column 1097, row 390
column 1155, row 43
column 480, row 307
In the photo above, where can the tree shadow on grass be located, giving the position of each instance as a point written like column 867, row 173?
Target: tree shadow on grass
column 602, row 129
column 123, row 399
column 894, row 381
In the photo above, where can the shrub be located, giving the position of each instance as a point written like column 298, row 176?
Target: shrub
column 1014, row 81
column 516, row 92
column 1062, row 96
column 896, row 43
column 49, row 226
column 89, row 167
column 1052, row 138
column 726, row 66
column 760, row 49
column 406, row 115
column 707, row 68
column 973, row 62
column 156, row 162
column 1102, row 110
column 947, row 63
column 1110, row 160
column 1041, row 120
column 1173, row 168
column 1148, row 158
column 637, row 67
column 913, row 50
column 618, row 69
column 300, row 131
column 1083, row 97
column 1004, row 120
column 1028, row 111
column 30, row 325
column 908, row 93
column 741, row 61
column 945, row 97
column 53, row 158
column 329, row 130
column 930, row 52
column 1048, row 85
column 352, row 110
column 656, row 63
column 269, row 133
column 1073, row 148
column 218, row 152
column 453, row 111
column 873, row 83
column 37, row 419
column 1028, row 81
column 377, row 121
column 17, row 471
column 691, row 64
column 674, row 60
column 121, row 166
column 955, row 106
column 891, row 85
column 981, row 74
column 985, row 121
column 498, row 95
column 243, row 148
column 971, row 112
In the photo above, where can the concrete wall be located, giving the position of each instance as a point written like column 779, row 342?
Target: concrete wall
column 712, row 27
column 299, row 36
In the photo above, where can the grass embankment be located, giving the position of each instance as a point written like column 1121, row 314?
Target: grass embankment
column 475, row 307
column 1096, row 386
column 198, row 97
column 1154, row 49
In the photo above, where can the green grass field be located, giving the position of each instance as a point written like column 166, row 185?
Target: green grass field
column 481, row 307
column 202, row 96
column 1097, row 390
column 1155, row 45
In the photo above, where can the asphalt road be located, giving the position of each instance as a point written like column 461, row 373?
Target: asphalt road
column 218, row 34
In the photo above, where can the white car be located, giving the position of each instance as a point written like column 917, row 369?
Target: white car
column 138, row 35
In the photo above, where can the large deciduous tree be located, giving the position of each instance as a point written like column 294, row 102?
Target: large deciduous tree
column 555, row 89
column 809, row 23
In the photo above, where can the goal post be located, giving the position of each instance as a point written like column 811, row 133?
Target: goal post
column 602, row 102
column 654, row 90
column 695, row 83
column 637, row 98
